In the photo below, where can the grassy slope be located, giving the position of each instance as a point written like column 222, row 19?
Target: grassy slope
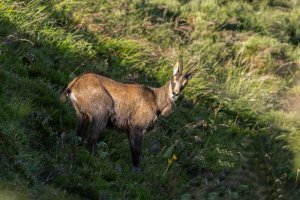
column 229, row 134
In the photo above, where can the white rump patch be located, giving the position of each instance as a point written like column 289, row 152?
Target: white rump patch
column 72, row 97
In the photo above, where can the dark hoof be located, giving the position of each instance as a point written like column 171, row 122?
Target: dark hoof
column 92, row 149
column 137, row 170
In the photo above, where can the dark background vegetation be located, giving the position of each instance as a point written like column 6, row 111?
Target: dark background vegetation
column 235, row 131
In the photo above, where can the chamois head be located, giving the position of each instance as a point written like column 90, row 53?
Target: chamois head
column 179, row 79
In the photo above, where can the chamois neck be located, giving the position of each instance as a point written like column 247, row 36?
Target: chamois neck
column 163, row 100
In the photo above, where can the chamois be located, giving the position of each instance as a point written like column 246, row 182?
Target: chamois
column 132, row 108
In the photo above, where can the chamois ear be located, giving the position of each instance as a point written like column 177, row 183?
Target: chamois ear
column 178, row 68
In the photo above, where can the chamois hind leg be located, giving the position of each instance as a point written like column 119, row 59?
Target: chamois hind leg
column 100, row 108
column 135, row 142
column 82, row 126
column 98, row 124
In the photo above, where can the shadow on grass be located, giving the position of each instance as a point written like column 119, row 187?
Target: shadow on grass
column 35, row 71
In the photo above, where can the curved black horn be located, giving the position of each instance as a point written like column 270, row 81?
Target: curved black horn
column 180, row 60
column 191, row 67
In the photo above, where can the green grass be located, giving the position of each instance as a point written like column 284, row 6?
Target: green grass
column 234, row 133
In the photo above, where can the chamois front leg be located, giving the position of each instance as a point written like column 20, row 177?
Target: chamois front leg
column 135, row 142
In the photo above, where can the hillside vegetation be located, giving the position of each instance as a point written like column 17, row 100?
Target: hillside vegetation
column 234, row 133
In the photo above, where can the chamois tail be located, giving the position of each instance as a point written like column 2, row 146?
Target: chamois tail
column 64, row 93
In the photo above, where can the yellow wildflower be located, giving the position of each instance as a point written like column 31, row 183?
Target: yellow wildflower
column 174, row 157
column 170, row 161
